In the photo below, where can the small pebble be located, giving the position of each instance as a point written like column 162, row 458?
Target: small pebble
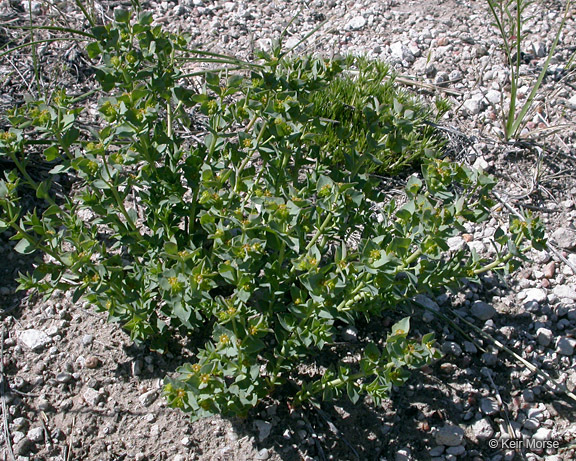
column 35, row 434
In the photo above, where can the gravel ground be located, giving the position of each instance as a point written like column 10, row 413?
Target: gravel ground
column 76, row 388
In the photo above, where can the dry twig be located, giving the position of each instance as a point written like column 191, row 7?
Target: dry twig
column 7, row 437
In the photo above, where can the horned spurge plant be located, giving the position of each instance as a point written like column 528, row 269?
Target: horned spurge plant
column 509, row 19
column 214, row 211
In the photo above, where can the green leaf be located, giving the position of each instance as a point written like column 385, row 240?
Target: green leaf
column 171, row 248
column 93, row 49
column 122, row 15
column 146, row 18
column 402, row 327
column 25, row 247
column 51, row 153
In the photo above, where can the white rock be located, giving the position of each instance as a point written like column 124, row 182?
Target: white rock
column 450, row 435
column 482, row 311
column 400, row 51
column 572, row 102
column 478, row 246
column 493, row 96
column 35, row 434
column 565, row 238
column 91, row 396
column 482, row 429
column 148, row 398
column 404, row 454
column 33, row 339
column 544, row 336
column 565, row 346
column 543, row 434
column 263, row 428
column 229, row 6
column 356, row 23
column 565, row 291
column 534, row 294
column 481, row 164
column 456, row 243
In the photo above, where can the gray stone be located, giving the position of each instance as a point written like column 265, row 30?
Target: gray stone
column 531, row 424
column 482, row 429
column 23, row 447
column 186, row 441
column 482, row 310
column 565, row 238
column 437, row 451
column 450, row 347
column 350, row 334
column 565, row 291
column 64, row 377
column 572, row 102
column 565, row 346
column 474, row 105
column 489, row 406
column 490, row 359
column 528, row 395
column 427, row 302
column 36, row 434
column 456, row 451
column 470, row 347
column 544, row 336
column 539, row 49
column 33, row 339
column 450, row 435
column 356, row 23
column 87, row 340
column 148, row 398
column 263, row 428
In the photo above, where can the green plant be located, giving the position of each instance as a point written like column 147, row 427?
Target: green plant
column 509, row 19
column 364, row 110
column 245, row 239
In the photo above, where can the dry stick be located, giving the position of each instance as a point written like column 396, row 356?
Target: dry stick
column 548, row 245
column 67, row 452
column 7, row 437
column 336, row 431
column 551, row 381
column 47, row 436
column 509, row 427
column 321, row 453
